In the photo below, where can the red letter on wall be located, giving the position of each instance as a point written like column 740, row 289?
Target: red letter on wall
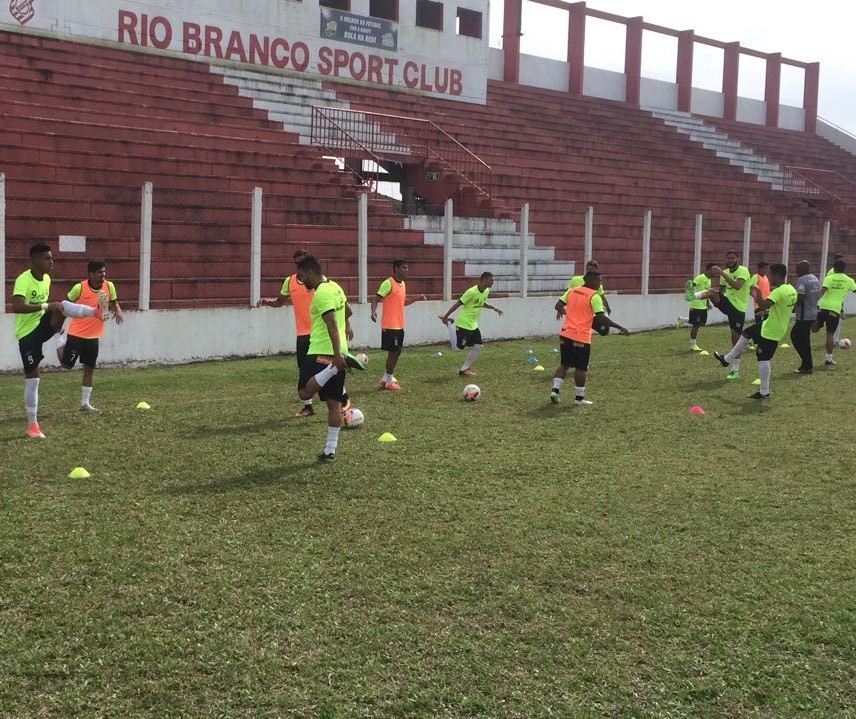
column 128, row 24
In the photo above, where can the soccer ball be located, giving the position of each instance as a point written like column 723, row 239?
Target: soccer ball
column 363, row 357
column 353, row 418
column 844, row 343
column 472, row 392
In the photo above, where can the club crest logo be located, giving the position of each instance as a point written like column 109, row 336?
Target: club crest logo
column 22, row 10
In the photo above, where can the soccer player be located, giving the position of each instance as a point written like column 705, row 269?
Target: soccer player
column 300, row 297
column 393, row 294
column 759, row 284
column 579, row 280
column 82, row 339
column 580, row 306
column 698, row 308
column 37, row 320
column 327, row 359
column 808, row 291
column 767, row 334
column 835, row 287
column 837, row 336
column 465, row 332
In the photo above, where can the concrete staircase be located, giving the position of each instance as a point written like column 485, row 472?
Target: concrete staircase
column 724, row 146
column 493, row 245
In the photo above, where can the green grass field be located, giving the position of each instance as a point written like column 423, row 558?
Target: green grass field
column 506, row 558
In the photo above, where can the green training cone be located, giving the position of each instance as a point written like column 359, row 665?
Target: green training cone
column 757, row 381
column 79, row 473
column 143, row 405
column 386, row 437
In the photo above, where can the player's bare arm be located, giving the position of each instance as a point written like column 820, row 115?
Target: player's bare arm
column 274, row 302
column 495, row 309
column 333, row 330
column 445, row 318
column 116, row 309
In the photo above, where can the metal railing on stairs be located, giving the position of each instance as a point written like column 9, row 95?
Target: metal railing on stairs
column 827, row 189
column 378, row 137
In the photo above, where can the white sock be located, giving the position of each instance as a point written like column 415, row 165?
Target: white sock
column 85, row 394
column 557, row 383
column 326, row 374
column 472, row 357
column 829, row 356
column 737, row 350
column 387, row 377
column 31, row 399
column 735, row 365
column 453, row 338
column 307, row 402
column 70, row 309
column 61, row 338
column 764, row 372
column 693, row 343
column 332, row 440
column 836, row 336
column 579, row 392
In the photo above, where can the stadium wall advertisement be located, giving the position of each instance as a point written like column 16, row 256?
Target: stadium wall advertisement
column 297, row 36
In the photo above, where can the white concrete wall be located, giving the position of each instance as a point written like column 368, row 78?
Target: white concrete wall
column 289, row 20
column 658, row 93
column 604, row 84
column 843, row 139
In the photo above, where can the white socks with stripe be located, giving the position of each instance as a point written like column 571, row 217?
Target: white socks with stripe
column 31, row 399
column 737, row 350
column 332, row 440
column 326, row 374
column 472, row 357
column 85, row 395
column 453, row 337
column 71, row 309
column 764, row 372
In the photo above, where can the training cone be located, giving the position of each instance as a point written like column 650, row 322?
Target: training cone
column 785, row 345
column 538, row 368
column 79, row 473
column 696, row 410
column 530, row 351
column 386, row 437
column 757, row 381
column 533, row 360
column 438, row 354
column 555, row 349
column 704, row 353
column 143, row 405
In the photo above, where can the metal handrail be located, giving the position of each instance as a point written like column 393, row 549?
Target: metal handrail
column 837, row 127
column 363, row 178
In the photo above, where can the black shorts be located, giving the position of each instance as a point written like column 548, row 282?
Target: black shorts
column 736, row 318
column 312, row 365
column 698, row 317
column 302, row 349
column 575, row 354
column 80, row 348
column 829, row 319
column 764, row 348
column 31, row 345
column 391, row 340
column 468, row 338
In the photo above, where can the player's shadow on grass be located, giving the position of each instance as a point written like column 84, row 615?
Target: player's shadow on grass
column 296, row 474
column 230, row 430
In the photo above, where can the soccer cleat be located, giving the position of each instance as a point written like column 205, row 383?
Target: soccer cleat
column 354, row 362
column 758, row 395
column 35, row 432
column 830, row 363
column 346, row 404
column 327, row 457
column 802, row 370
column 689, row 291
column 734, row 374
column 306, row 411
column 696, row 348
column 393, row 386
column 582, row 401
column 720, row 358
column 554, row 396
column 679, row 322
column 102, row 311
column 88, row 408
column 466, row 373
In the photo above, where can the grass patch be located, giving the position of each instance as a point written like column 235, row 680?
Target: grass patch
column 506, row 558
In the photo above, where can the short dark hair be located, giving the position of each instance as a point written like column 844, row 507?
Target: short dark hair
column 839, row 265
column 709, row 266
column 591, row 273
column 39, row 248
column 486, row 275
column 804, row 265
column 763, row 263
column 300, row 253
column 591, row 263
column 837, row 256
column 779, row 270
column 732, row 252
column 309, row 263
column 96, row 265
column 398, row 263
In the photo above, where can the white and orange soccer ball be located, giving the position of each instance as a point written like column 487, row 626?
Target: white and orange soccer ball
column 844, row 343
column 353, row 418
column 472, row 392
column 363, row 357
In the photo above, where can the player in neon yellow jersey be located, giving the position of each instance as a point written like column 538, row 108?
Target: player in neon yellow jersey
column 836, row 286
column 767, row 334
column 465, row 331
column 327, row 359
column 579, row 281
column 701, row 284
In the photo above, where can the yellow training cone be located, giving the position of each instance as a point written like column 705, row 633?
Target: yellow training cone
column 143, row 405
column 538, row 368
column 704, row 353
column 757, row 381
column 785, row 345
column 386, row 437
column 79, row 473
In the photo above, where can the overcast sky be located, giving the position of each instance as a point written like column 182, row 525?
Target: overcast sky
column 820, row 31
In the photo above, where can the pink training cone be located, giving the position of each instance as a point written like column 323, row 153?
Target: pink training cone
column 696, row 410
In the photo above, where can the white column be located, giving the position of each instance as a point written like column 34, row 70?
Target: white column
column 146, row 246
column 448, row 239
column 824, row 252
column 256, row 248
column 699, row 223
column 646, row 252
column 786, row 243
column 3, row 242
column 747, row 237
column 524, row 251
column 363, row 247
column 587, row 253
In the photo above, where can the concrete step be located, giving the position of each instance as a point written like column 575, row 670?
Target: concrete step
column 478, row 239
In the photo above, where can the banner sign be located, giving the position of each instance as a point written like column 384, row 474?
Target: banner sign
column 359, row 30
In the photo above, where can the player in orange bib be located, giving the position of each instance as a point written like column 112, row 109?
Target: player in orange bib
column 393, row 294
column 580, row 306
column 81, row 341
